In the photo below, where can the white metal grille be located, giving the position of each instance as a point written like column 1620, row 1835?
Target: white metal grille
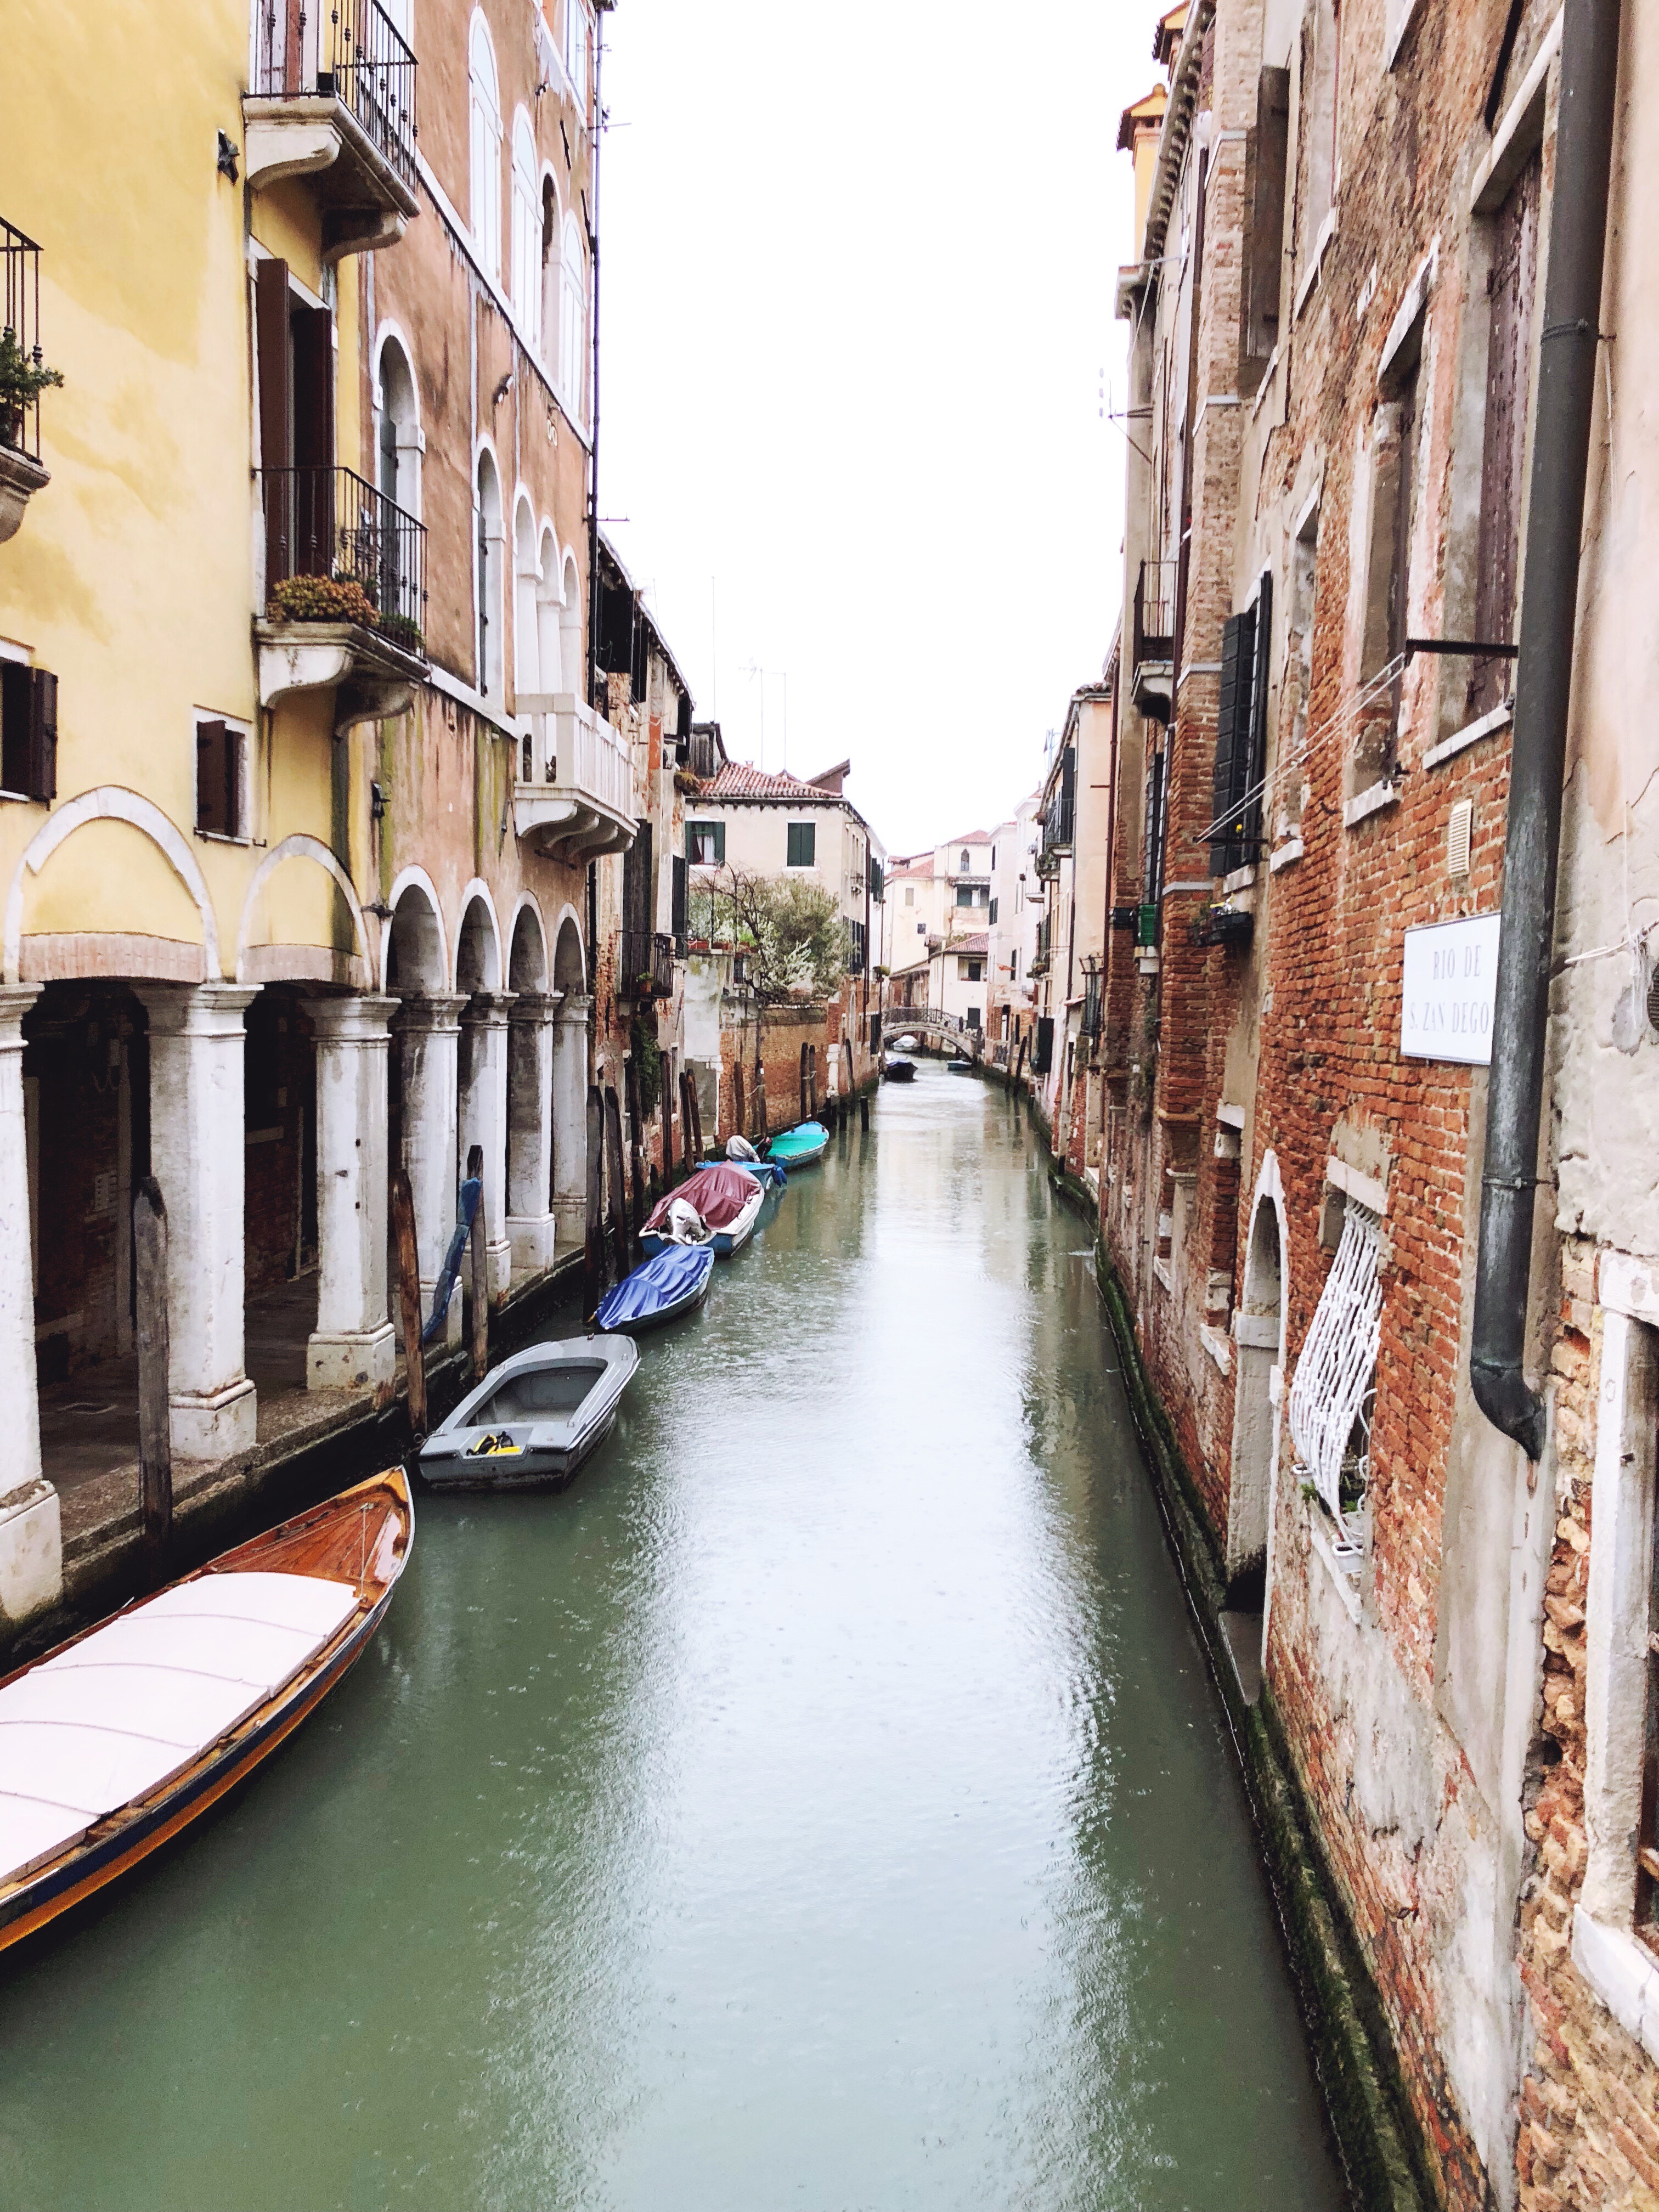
column 1333, row 1376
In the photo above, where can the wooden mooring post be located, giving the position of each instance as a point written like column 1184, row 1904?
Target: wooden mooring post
column 594, row 1247
column 812, row 1078
column 622, row 1241
column 480, row 1259
column 737, row 1099
column 149, row 1246
column 693, row 1105
column 408, row 1298
column 667, row 1122
column 635, row 1153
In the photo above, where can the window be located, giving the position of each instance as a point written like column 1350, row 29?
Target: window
column 970, row 971
column 993, row 860
column 28, row 731
column 964, row 858
column 1512, row 286
column 1333, row 1395
column 1393, row 454
column 1241, row 740
column 1013, row 965
column 484, row 212
column 921, row 929
column 578, row 40
column 1152, row 865
column 679, row 897
column 1298, row 684
column 220, row 750
column 573, row 318
column 992, row 913
column 974, row 1021
column 1266, row 236
column 964, row 895
column 705, row 844
column 1321, row 72
column 526, row 271
column 910, row 894
column 491, row 550
column 803, row 844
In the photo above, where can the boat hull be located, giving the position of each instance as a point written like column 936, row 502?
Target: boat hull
column 536, row 1420
column 547, row 1469
column 133, row 1835
column 652, row 1242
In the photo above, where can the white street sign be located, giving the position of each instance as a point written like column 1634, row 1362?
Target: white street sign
column 1446, row 1003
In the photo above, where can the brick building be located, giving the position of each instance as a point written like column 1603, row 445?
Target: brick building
column 1419, row 1410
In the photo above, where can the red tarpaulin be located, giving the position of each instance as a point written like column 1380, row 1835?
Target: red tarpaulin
column 720, row 1194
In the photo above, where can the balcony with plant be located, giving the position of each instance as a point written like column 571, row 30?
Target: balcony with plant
column 24, row 374
column 345, row 593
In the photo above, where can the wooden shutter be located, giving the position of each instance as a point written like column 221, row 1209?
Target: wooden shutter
column 1512, row 285
column 1266, row 233
column 1255, row 758
column 1153, row 869
column 313, row 442
column 215, row 814
column 1232, row 734
column 679, row 897
column 275, row 364
column 16, row 710
column 43, row 735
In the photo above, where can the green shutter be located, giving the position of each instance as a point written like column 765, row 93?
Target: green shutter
column 803, row 844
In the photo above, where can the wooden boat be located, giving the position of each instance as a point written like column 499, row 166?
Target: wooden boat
column 718, row 1205
column 116, row 1740
column 801, row 1146
column 673, row 1282
column 896, row 1069
column 535, row 1420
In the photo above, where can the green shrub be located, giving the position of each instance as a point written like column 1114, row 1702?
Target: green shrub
column 647, row 1059
column 322, row 598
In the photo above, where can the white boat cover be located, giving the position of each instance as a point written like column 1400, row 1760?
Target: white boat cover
column 739, row 1148
column 130, row 1706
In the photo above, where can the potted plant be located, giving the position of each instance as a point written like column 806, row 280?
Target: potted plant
column 23, row 378
column 321, row 599
column 685, row 783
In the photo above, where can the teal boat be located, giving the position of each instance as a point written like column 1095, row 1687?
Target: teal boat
column 800, row 1146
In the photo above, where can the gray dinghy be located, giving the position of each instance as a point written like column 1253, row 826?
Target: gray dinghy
column 534, row 1419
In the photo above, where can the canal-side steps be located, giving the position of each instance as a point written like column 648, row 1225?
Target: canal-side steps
column 1353, row 2050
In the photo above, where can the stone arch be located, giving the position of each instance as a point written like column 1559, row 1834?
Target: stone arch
column 569, row 958
column 299, row 848
column 1259, row 1332
column 477, row 941
column 526, row 959
column 110, row 802
column 414, row 955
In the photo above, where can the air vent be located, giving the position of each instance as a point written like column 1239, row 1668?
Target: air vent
column 1653, row 1000
column 1459, row 830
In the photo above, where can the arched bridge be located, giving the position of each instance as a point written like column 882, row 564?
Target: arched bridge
column 934, row 1024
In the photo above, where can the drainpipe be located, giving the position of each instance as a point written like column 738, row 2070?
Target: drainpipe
column 1567, row 392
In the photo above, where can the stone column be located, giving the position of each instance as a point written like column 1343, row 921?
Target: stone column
column 428, row 1032
column 353, row 1343
column 530, row 1216
column 570, row 1118
column 31, row 1542
column 483, row 1119
column 198, row 1125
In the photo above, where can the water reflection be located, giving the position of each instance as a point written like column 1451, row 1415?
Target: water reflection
column 822, row 1805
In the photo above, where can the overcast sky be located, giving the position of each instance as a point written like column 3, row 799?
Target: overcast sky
column 857, row 278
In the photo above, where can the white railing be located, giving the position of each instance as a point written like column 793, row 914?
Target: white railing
column 576, row 753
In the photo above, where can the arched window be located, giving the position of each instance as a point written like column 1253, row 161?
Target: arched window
column 397, row 477
column 526, row 227
column 554, row 677
column 573, row 672
column 527, row 638
column 485, row 213
column 964, row 859
column 491, row 547
column 573, row 319
column 549, row 332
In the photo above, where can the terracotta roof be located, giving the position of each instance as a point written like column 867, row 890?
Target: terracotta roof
column 969, row 837
column 1146, row 114
column 738, row 779
column 980, row 942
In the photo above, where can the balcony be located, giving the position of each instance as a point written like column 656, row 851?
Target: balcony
column 333, row 104
column 577, row 800
column 1152, row 666
column 360, row 630
column 645, row 965
column 21, row 473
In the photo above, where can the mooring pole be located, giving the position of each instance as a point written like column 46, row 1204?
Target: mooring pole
column 480, row 1257
column 593, row 1248
column 620, row 1238
column 635, row 1155
column 150, row 1244
column 408, row 1298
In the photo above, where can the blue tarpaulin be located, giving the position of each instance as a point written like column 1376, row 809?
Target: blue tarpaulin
column 675, row 1273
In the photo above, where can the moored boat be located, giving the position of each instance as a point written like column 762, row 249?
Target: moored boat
column 742, row 1154
column 896, row 1069
column 535, row 1420
column 724, row 1200
column 673, row 1282
column 801, row 1146
column 907, row 1043
column 114, row 1741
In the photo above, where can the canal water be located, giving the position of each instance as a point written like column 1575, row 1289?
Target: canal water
column 823, row 1804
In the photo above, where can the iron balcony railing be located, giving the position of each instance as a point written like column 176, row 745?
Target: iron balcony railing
column 1088, row 1019
column 1154, row 612
column 645, row 955
column 20, row 344
column 332, row 522
column 354, row 54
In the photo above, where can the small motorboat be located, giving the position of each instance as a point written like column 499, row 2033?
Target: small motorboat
column 801, row 1146
column 116, row 1738
column 718, row 1205
column 533, row 1420
column 742, row 1154
column 960, row 1065
column 896, row 1069
column 907, row 1043
column 672, row 1282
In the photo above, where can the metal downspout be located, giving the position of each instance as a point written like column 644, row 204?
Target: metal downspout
column 1567, row 392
